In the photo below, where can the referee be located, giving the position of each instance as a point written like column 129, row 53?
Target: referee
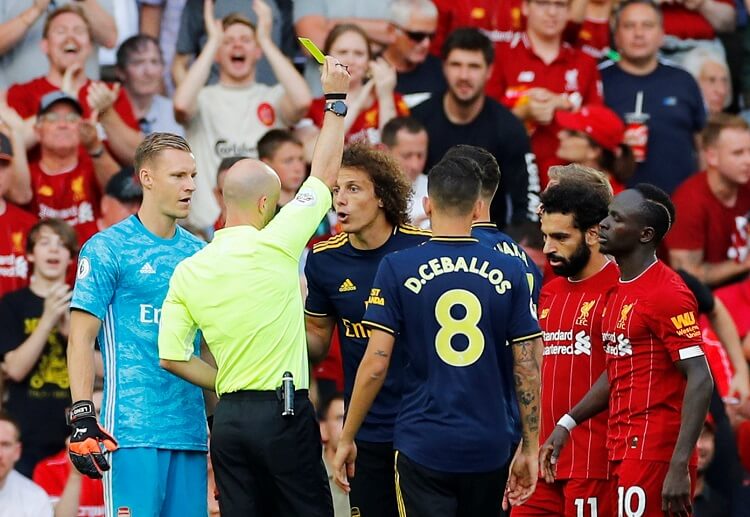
column 242, row 292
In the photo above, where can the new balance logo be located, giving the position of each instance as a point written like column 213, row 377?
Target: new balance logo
column 347, row 286
column 147, row 269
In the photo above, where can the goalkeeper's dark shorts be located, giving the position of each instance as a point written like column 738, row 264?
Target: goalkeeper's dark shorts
column 265, row 464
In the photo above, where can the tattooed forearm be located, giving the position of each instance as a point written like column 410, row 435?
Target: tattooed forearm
column 526, row 378
column 380, row 353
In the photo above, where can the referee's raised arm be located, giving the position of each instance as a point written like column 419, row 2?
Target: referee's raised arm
column 326, row 158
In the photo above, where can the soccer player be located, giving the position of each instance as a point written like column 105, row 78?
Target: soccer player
column 158, row 419
column 656, row 383
column 570, row 315
column 453, row 303
column 371, row 199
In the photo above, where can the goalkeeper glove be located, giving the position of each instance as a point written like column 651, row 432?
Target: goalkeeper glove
column 86, row 442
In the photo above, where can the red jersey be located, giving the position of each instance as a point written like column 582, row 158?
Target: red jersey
column 570, row 315
column 649, row 324
column 52, row 474
column 366, row 126
column 497, row 19
column 14, row 228
column 681, row 22
column 72, row 196
column 572, row 72
column 25, row 99
column 591, row 37
column 703, row 223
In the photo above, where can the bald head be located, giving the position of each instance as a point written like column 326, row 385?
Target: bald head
column 251, row 189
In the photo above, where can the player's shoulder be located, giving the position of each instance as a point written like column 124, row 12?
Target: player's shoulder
column 412, row 233
column 109, row 239
column 554, row 286
column 331, row 246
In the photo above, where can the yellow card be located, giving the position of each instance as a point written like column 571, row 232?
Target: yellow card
column 313, row 49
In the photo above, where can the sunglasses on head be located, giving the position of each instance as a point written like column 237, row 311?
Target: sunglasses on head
column 417, row 36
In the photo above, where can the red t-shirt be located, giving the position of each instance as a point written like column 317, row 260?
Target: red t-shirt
column 52, row 474
column 15, row 224
column 736, row 297
column 649, row 324
column 366, row 123
column 332, row 368
column 703, row 223
column 683, row 23
column 717, row 358
column 497, row 19
column 572, row 72
column 72, row 196
column 25, row 99
column 591, row 37
column 570, row 314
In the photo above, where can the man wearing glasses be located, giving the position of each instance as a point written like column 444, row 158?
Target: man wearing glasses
column 537, row 74
column 419, row 73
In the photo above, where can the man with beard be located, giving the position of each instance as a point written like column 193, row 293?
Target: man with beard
column 570, row 311
column 657, row 384
column 464, row 115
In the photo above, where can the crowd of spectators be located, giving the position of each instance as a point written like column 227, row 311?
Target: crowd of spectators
column 644, row 91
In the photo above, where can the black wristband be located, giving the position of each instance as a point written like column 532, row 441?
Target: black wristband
column 335, row 96
column 82, row 409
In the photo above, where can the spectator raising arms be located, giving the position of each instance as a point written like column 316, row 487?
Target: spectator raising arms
column 228, row 118
column 371, row 99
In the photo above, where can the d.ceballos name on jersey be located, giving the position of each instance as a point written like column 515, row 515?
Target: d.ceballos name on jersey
column 580, row 344
column 444, row 265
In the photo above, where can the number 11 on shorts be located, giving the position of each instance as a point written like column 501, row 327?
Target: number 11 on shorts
column 581, row 504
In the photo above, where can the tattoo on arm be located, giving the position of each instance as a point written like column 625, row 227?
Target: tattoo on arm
column 380, row 353
column 526, row 377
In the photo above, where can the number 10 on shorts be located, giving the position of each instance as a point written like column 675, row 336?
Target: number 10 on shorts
column 631, row 501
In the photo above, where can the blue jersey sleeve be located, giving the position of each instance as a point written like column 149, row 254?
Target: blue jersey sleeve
column 383, row 305
column 523, row 323
column 96, row 278
column 317, row 303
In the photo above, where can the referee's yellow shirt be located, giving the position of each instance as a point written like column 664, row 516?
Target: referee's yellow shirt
column 243, row 292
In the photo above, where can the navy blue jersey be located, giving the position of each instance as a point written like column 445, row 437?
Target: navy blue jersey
column 454, row 304
column 339, row 279
column 489, row 235
column 674, row 103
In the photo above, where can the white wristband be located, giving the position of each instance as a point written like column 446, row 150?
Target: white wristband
column 567, row 422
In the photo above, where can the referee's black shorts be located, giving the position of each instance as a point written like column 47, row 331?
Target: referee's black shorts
column 267, row 465
column 373, row 489
column 423, row 492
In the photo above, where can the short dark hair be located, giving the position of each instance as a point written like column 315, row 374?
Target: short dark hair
column 489, row 170
column 272, row 140
column 657, row 210
column 466, row 38
column 587, row 203
column 396, row 124
column 325, row 404
column 6, row 417
column 65, row 231
column 226, row 163
column 627, row 3
column 132, row 45
column 454, row 184
column 391, row 186
column 125, row 187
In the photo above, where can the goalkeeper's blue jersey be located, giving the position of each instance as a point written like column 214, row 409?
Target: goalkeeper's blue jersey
column 123, row 277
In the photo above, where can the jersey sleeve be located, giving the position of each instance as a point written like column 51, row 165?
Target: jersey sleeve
column 675, row 324
column 317, row 303
column 383, row 305
column 522, row 321
column 177, row 329
column 297, row 221
column 96, row 279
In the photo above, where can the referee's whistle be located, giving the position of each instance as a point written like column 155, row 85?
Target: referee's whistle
column 287, row 394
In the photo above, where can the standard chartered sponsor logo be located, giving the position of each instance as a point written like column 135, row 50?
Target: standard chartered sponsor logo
column 581, row 344
column 617, row 344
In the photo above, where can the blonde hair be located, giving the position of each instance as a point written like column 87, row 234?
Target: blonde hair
column 154, row 144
